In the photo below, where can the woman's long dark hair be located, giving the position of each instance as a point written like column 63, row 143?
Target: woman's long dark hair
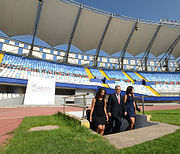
column 129, row 91
column 99, row 92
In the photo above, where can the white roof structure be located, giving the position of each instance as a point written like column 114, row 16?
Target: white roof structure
column 63, row 22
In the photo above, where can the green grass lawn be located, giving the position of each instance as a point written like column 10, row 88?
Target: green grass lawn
column 71, row 138
column 166, row 116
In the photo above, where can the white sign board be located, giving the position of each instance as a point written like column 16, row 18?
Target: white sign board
column 40, row 91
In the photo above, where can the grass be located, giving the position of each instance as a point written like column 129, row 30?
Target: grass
column 166, row 116
column 70, row 138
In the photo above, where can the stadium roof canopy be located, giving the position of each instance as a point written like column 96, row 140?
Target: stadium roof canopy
column 68, row 22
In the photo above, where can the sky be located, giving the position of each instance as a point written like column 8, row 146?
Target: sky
column 153, row 10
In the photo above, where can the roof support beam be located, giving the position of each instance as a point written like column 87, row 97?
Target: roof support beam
column 72, row 33
column 148, row 49
column 121, row 58
column 101, row 40
column 165, row 58
column 178, row 63
column 40, row 4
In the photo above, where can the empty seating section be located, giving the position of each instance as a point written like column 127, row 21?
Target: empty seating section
column 96, row 73
column 164, row 81
column 122, row 80
column 21, row 67
column 167, row 88
column 137, row 88
column 161, row 76
column 115, row 74
column 133, row 76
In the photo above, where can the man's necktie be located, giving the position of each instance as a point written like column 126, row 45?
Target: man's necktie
column 118, row 99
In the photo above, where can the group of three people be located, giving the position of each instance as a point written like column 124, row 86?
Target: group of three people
column 114, row 110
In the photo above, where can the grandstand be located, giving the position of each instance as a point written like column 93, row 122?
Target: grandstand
column 86, row 28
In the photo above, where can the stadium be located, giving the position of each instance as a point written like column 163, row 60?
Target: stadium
column 81, row 48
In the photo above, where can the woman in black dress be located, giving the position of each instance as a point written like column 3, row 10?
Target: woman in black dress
column 98, row 114
column 130, row 106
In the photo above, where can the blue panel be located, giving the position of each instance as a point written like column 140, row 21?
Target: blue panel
column 111, row 66
column 52, row 51
column 96, row 80
column 90, row 64
column 11, row 80
column 44, row 56
column 87, row 57
column 109, row 81
column 22, row 81
column 41, row 49
column 100, row 58
column 98, row 64
column 76, row 86
column 136, row 62
column 6, row 41
column 150, row 83
column 76, row 55
column 1, row 45
column 55, row 58
column 17, row 43
column 153, row 98
column 58, row 53
column 79, row 61
column 20, row 51
column 25, row 45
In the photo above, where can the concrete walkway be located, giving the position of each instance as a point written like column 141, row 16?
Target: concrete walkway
column 140, row 135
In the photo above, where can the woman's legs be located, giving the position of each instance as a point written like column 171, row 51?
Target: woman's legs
column 131, row 123
column 100, row 129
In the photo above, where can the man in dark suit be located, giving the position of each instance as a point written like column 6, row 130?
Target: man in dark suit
column 116, row 109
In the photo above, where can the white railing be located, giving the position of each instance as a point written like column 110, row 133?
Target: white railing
column 83, row 105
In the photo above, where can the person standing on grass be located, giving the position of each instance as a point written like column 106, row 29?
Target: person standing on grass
column 98, row 114
column 130, row 106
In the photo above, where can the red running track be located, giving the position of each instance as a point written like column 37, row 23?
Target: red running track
column 10, row 118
